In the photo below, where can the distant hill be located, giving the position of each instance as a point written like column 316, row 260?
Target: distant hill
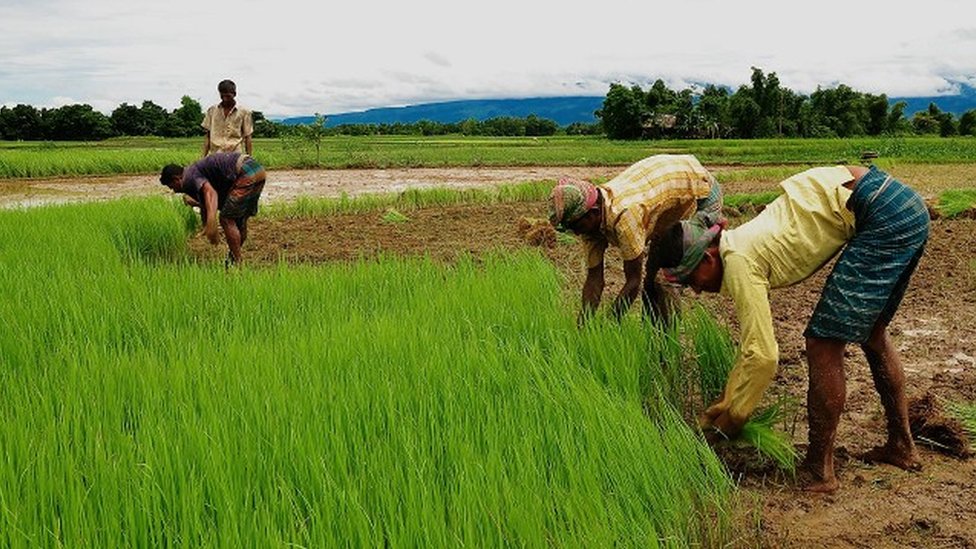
column 564, row 110
column 956, row 104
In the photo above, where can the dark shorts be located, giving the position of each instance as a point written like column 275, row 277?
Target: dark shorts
column 870, row 277
column 242, row 198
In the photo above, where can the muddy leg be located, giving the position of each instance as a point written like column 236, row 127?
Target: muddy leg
column 233, row 236
column 242, row 227
column 658, row 302
column 825, row 402
column 889, row 381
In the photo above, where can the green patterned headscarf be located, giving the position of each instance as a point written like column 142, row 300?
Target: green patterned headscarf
column 697, row 235
column 569, row 200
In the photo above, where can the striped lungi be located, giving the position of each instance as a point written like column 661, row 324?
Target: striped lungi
column 242, row 198
column 870, row 277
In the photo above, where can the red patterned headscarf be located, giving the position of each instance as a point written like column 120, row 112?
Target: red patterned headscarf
column 569, row 200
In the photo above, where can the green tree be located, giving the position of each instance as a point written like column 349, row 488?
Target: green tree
column 535, row 126
column 924, row 123
column 877, row 110
column 153, row 119
column 621, row 112
column 660, row 99
column 582, row 128
column 897, row 123
column 744, row 113
column 185, row 120
column 306, row 139
column 967, row 123
column 713, row 111
column 21, row 122
column 76, row 123
column 126, row 119
column 841, row 109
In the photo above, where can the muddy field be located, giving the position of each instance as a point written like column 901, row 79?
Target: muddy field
column 935, row 330
column 878, row 505
column 286, row 185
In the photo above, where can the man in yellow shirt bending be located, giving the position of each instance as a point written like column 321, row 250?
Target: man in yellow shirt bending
column 630, row 212
column 884, row 226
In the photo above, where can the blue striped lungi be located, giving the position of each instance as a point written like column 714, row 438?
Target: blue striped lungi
column 242, row 198
column 870, row 277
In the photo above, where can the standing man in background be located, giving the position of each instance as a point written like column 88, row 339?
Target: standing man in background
column 229, row 126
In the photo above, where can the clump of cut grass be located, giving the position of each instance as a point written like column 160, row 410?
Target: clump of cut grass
column 954, row 202
column 394, row 216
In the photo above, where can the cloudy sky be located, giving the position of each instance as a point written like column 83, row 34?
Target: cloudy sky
column 292, row 57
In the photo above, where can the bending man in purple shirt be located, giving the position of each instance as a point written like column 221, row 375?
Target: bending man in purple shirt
column 229, row 183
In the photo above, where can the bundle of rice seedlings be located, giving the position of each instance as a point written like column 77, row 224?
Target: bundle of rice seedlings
column 715, row 354
column 966, row 414
column 760, row 433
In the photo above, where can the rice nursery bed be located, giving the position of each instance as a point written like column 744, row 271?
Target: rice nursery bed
column 933, row 330
column 151, row 400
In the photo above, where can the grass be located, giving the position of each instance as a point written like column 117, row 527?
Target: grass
column 148, row 155
column 738, row 200
column 393, row 216
column 715, row 355
column 965, row 413
column 956, row 201
column 152, row 401
column 410, row 199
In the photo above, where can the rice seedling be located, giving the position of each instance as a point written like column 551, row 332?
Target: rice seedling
column 734, row 201
column 394, row 216
column 715, row 355
column 956, row 201
column 141, row 155
column 411, row 199
column 152, row 401
column 966, row 414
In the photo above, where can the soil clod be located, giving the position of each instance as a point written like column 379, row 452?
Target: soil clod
column 931, row 427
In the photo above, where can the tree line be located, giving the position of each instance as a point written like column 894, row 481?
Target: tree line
column 81, row 122
column 764, row 108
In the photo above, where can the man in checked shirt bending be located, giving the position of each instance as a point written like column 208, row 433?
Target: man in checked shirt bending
column 631, row 212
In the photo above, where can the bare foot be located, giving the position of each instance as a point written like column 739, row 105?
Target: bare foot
column 903, row 459
column 810, row 481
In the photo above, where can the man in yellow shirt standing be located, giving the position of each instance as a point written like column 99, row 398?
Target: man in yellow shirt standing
column 883, row 226
column 229, row 126
column 630, row 212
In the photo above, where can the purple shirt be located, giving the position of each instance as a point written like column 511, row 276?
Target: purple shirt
column 220, row 169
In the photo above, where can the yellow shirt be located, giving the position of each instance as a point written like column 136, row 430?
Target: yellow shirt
column 227, row 132
column 644, row 200
column 791, row 239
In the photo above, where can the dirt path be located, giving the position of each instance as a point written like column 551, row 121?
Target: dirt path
column 286, row 185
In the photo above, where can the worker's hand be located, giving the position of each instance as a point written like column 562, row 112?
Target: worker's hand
column 717, row 419
column 211, row 233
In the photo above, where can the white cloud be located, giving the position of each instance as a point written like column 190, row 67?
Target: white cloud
column 293, row 57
